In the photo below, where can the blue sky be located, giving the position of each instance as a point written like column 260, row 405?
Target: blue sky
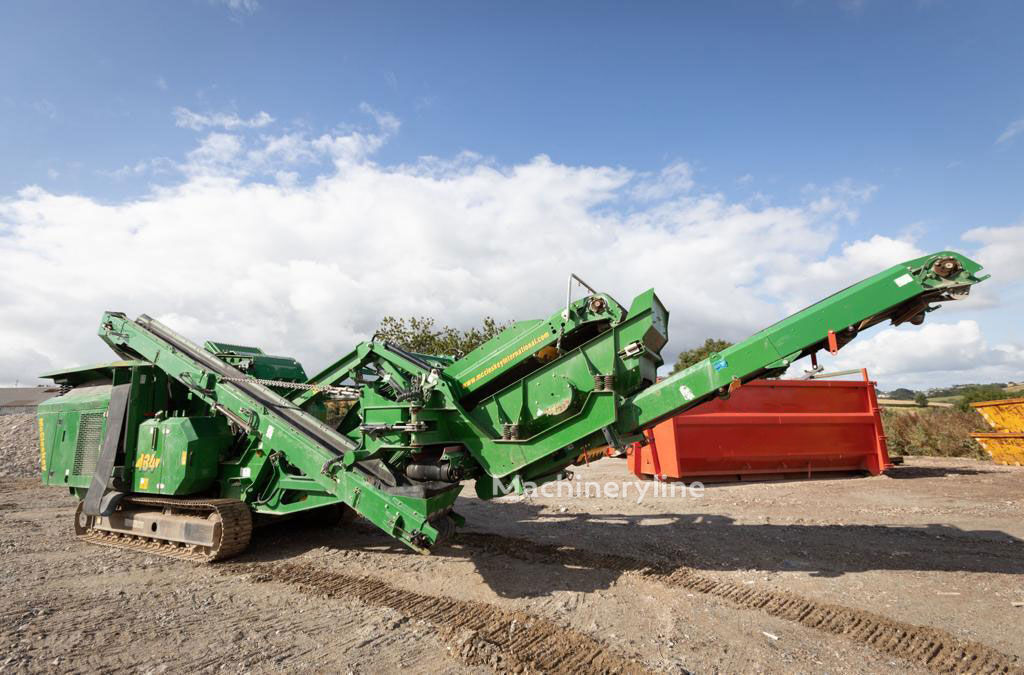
column 902, row 111
column 910, row 96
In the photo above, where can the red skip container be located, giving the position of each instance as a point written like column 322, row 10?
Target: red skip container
column 770, row 429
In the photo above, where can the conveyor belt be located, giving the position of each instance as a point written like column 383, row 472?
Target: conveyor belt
column 299, row 419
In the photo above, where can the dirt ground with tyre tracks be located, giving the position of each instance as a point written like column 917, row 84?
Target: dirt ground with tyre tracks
column 918, row 571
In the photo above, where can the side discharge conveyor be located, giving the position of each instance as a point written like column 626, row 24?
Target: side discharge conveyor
column 178, row 448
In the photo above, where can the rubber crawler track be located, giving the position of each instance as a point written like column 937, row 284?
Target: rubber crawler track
column 931, row 647
column 475, row 632
column 236, row 530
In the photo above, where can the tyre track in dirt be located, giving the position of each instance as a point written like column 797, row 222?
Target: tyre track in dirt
column 478, row 633
column 933, row 648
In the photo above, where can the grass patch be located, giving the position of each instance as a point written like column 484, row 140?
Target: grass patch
column 938, row 432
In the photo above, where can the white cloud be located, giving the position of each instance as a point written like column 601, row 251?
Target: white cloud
column 387, row 122
column 918, row 357
column 183, row 117
column 1015, row 128
column 842, row 197
column 223, row 154
column 800, row 285
column 674, row 179
column 1002, row 249
column 161, row 84
column 240, row 6
column 216, row 154
column 45, row 108
column 234, row 155
column 155, row 165
column 301, row 243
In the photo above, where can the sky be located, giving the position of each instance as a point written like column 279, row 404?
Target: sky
column 287, row 173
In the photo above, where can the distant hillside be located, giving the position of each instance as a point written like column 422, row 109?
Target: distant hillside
column 958, row 395
column 954, row 391
column 958, row 389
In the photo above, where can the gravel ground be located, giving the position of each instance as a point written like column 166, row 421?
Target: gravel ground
column 19, row 446
column 918, row 571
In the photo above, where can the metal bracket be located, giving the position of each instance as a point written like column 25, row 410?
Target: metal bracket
column 375, row 430
column 635, row 348
column 833, row 344
column 235, row 419
column 328, row 466
column 814, row 369
column 568, row 304
column 613, row 439
column 191, row 383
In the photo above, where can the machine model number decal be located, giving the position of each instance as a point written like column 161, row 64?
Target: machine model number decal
column 506, row 359
column 147, row 462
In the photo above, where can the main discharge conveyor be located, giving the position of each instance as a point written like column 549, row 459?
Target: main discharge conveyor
column 176, row 448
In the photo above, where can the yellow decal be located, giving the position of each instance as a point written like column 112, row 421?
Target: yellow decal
column 147, row 462
column 184, row 457
column 505, row 360
column 42, row 447
column 143, row 483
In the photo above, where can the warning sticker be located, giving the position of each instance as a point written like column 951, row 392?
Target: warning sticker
column 903, row 280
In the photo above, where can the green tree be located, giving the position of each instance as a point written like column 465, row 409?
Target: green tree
column 423, row 336
column 986, row 392
column 698, row 354
column 902, row 394
column 921, row 400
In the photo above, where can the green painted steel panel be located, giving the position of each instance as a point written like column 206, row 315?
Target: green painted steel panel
column 179, row 455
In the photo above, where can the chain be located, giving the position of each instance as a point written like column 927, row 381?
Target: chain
column 351, row 392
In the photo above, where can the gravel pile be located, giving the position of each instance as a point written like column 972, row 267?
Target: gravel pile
column 19, row 446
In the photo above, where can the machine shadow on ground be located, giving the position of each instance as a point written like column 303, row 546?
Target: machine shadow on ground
column 909, row 472
column 505, row 541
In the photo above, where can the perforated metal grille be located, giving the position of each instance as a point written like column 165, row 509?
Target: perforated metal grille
column 87, row 448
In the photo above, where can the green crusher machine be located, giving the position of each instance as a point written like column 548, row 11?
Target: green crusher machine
column 176, row 448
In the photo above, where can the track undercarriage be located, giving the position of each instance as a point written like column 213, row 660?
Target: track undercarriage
column 200, row 530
